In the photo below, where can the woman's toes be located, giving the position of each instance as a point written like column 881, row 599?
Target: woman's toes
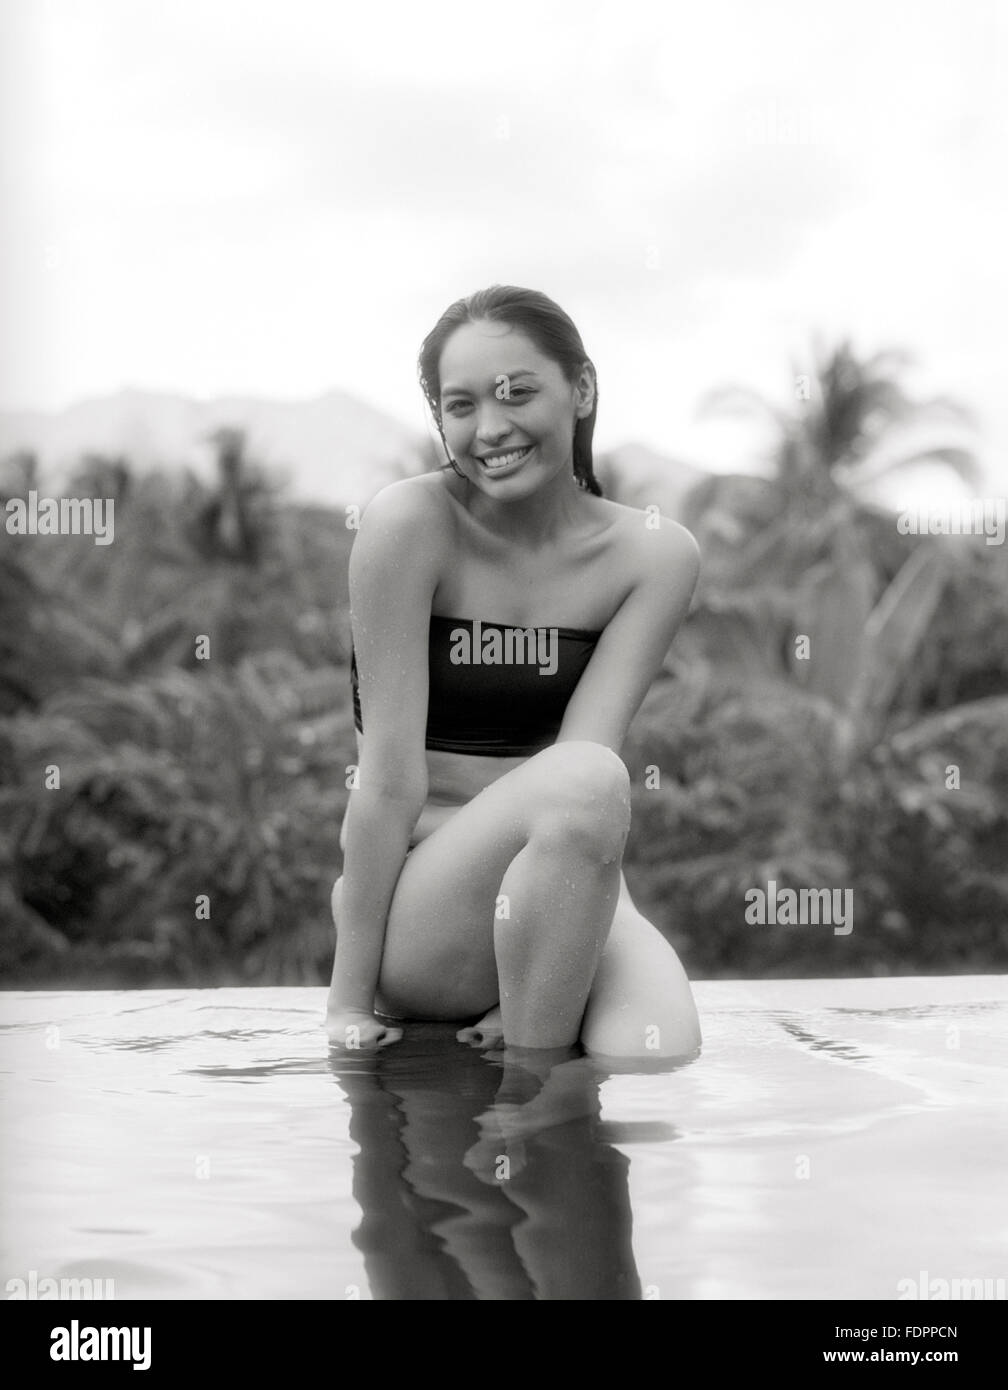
column 489, row 1032
column 480, row 1036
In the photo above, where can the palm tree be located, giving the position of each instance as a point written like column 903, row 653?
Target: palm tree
column 228, row 524
column 833, row 444
column 800, row 554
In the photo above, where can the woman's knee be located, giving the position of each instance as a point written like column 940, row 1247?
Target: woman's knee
column 583, row 797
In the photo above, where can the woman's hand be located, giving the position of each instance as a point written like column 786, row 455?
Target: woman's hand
column 352, row 1029
column 356, row 1030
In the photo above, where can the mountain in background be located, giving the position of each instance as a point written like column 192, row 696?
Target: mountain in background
column 332, row 448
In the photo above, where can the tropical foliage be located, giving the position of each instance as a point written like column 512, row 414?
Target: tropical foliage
column 176, row 732
column 836, row 713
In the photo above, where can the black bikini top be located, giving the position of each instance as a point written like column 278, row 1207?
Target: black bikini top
column 494, row 688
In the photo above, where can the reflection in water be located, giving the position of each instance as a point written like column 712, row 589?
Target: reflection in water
column 487, row 1175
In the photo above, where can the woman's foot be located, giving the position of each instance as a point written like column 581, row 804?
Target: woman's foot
column 488, row 1033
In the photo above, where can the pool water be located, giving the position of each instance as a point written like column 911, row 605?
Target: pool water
column 833, row 1139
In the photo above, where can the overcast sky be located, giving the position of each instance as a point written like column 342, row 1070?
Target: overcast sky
column 279, row 197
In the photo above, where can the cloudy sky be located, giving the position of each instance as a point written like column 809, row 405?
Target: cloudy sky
column 279, row 196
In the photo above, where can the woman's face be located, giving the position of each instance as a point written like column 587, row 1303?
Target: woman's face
column 507, row 411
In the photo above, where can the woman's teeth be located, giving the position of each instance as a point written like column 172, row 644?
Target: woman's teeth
column 503, row 460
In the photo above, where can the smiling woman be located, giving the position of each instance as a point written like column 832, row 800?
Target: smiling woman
column 484, row 842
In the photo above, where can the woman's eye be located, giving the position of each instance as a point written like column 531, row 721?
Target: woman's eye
column 517, row 393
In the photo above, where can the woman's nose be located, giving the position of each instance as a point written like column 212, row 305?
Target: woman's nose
column 491, row 428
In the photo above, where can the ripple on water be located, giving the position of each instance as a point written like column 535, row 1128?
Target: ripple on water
column 185, row 1187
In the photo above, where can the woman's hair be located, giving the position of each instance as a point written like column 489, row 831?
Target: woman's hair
column 541, row 320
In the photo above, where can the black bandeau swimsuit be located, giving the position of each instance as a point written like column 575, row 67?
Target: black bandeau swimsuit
column 494, row 688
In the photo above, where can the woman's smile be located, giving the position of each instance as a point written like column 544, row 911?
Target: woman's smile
column 496, row 462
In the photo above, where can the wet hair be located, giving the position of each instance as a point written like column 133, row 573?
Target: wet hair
column 541, row 320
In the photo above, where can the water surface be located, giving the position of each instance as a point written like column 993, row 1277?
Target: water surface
column 834, row 1138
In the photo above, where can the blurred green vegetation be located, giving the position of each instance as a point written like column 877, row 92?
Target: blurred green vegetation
column 227, row 777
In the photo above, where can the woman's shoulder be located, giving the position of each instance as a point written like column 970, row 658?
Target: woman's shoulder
column 652, row 558
column 645, row 535
column 399, row 550
column 415, row 506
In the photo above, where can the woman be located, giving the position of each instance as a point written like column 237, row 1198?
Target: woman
column 507, row 623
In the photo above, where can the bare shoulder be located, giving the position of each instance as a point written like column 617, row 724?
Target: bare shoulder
column 409, row 505
column 406, row 526
column 655, row 549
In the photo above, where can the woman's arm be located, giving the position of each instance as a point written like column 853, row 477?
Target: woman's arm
column 394, row 570
column 633, row 647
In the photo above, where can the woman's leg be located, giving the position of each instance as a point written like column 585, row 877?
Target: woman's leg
column 512, row 899
column 640, row 1004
